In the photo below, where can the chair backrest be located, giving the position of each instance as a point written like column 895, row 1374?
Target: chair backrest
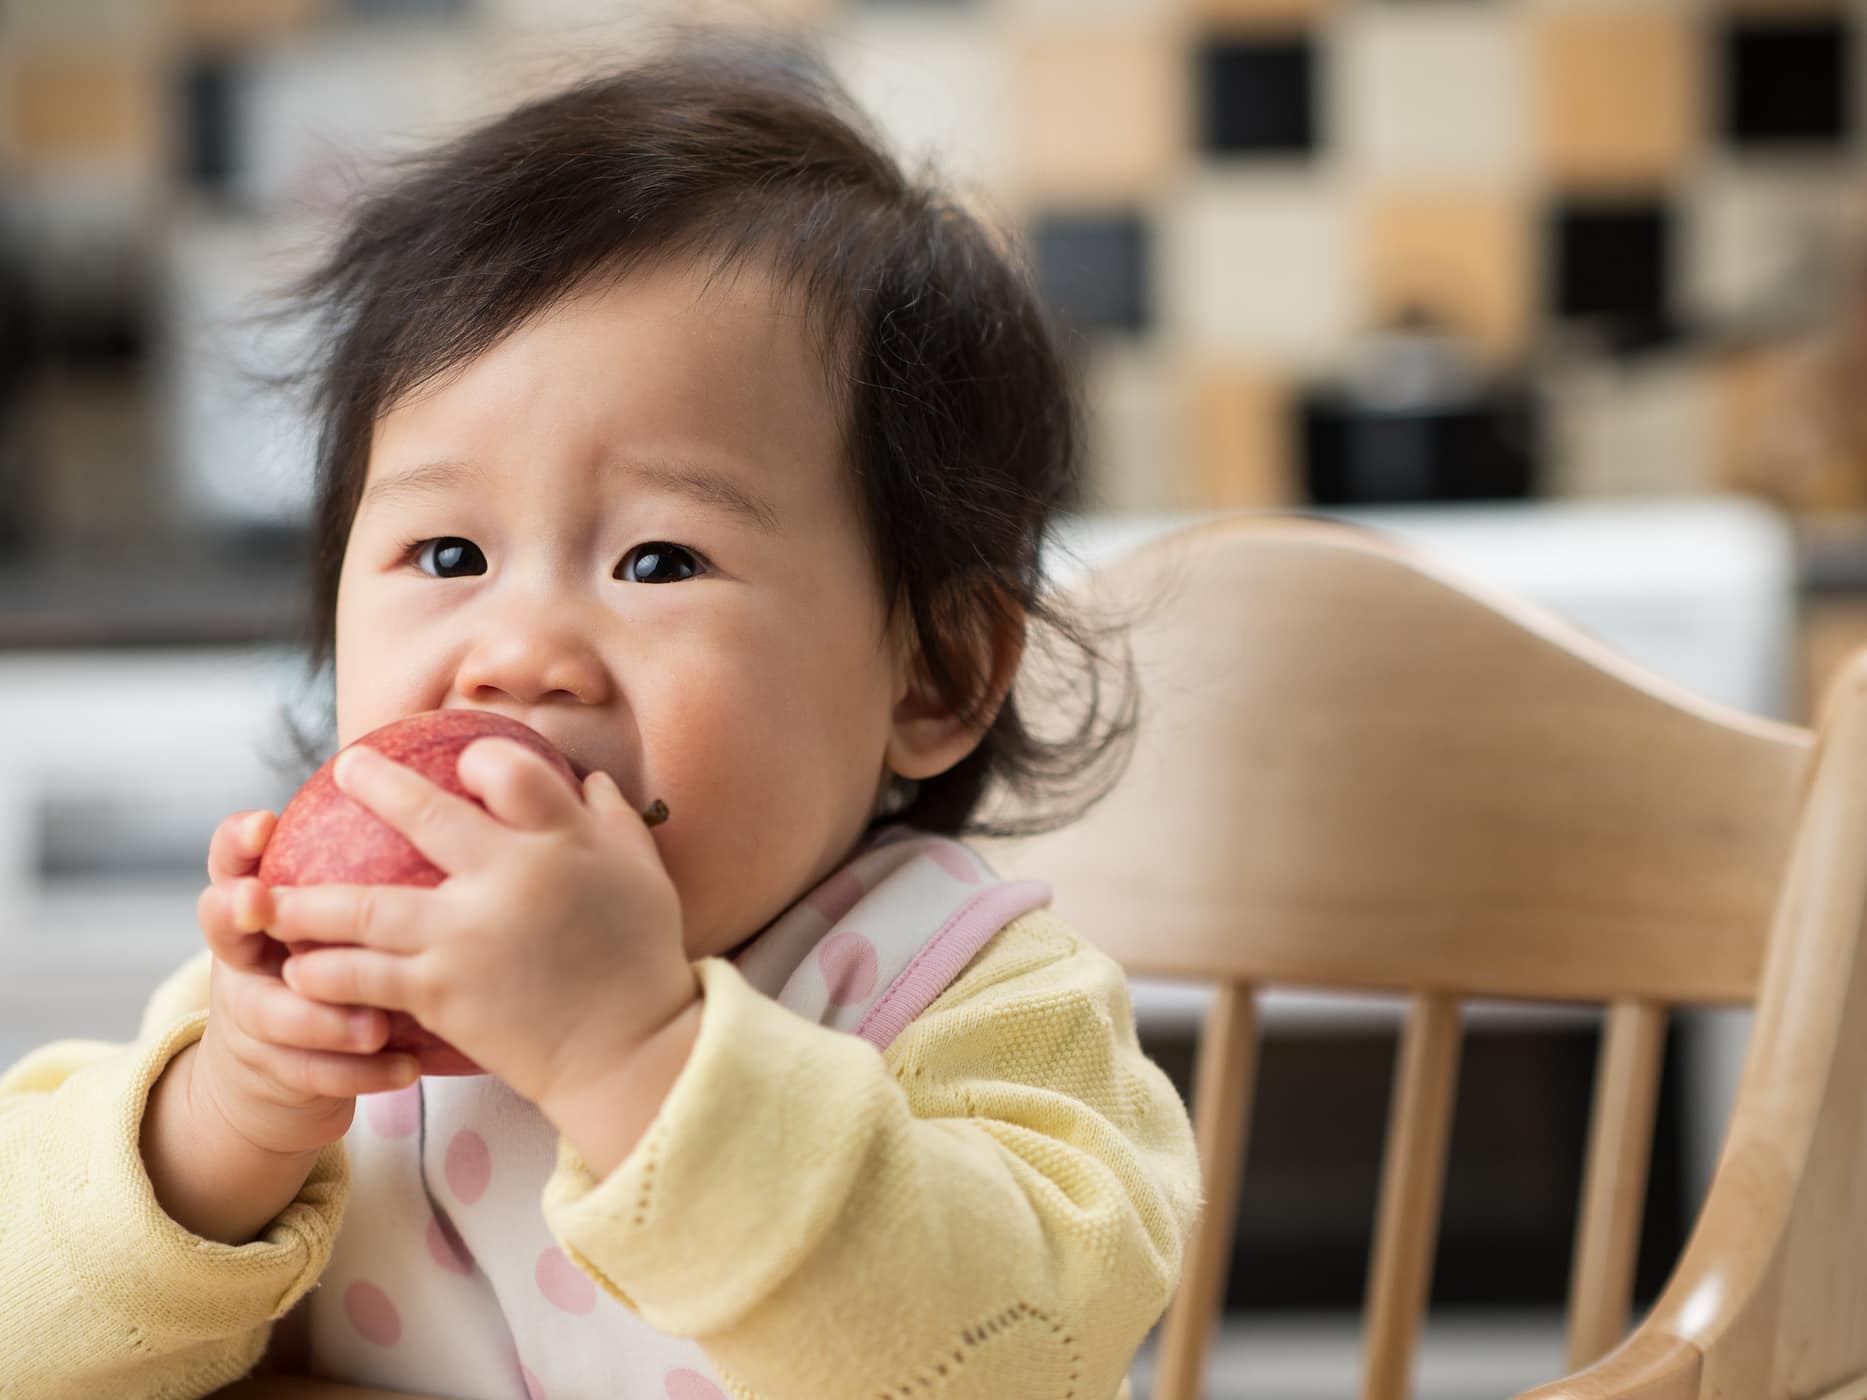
column 1356, row 771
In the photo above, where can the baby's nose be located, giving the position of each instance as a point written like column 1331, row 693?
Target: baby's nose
column 529, row 662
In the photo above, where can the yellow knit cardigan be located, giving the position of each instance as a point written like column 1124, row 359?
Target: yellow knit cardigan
column 996, row 1207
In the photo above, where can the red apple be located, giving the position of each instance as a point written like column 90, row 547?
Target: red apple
column 324, row 837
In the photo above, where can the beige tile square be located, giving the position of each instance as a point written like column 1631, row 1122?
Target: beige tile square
column 1465, row 256
column 1617, row 96
column 1433, row 92
column 232, row 22
column 77, row 107
column 1248, row 14
column 1244, row 448
column 1694, row 7
column 1786, row 430
column 1260, row 266
column 86, row 433
column 1100, row 113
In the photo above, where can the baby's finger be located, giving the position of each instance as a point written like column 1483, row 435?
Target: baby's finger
column 516, row 785
column 234, row 849
column 226, row 913
column 332, row 1075
column 272, row 1013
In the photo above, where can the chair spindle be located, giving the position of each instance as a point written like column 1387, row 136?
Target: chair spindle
column 1413, row 1174
column 1223, row 1080
column 1620, row 1142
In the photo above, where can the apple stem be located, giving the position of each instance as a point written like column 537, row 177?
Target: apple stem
column 655, row 813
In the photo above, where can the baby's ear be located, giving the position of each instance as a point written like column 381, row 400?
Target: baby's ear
column 929, row 735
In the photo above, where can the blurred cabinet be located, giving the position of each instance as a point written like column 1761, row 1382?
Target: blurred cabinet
column 115, row 768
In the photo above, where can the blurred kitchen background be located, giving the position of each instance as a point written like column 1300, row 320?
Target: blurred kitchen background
column 1572, row 291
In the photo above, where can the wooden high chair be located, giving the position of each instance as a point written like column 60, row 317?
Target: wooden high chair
column 1357, row 771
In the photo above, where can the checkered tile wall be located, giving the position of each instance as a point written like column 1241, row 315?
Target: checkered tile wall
column 1222, row 198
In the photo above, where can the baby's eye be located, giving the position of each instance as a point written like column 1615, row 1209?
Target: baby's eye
column 657, row 562
column 450, row 553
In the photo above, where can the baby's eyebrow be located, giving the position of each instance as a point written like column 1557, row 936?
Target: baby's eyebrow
column 428, row 479
column 707, row 486
column 690, row 479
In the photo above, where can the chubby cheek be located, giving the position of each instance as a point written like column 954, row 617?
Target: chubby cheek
column 370, row 693
column 760, row 811
column 719, row 842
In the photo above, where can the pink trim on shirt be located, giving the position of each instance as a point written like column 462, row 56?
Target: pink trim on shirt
column 945, row 955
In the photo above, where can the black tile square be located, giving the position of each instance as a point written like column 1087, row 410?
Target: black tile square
column 208, row 94
column 1258, row 95
column 1092, row 268
column 1787, row 83
column 1612, row 262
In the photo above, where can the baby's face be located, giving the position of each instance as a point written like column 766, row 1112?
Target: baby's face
column 630, row 525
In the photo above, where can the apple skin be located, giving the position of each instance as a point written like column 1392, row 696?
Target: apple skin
column 325, row 837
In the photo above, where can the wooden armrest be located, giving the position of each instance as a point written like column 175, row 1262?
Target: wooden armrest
column 298, row 1388
column 1647, row 1366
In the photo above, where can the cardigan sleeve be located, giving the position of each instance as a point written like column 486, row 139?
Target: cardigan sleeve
column 101, row 1292
column 996, row 1206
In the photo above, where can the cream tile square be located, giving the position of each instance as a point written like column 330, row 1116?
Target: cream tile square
column 1103, row 112
column 1770, row 245
column 1135, row 440
column 1618, row 96
column 1262, row 265
column 937, row 85
column 1644, row 429
column 322, row 114
column 569, row 17
column 1074, row 10
column 1435, row 92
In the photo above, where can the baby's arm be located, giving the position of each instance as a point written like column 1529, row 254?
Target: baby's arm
column 1000, row 1204
column 101, row 1292
column 208, row 1180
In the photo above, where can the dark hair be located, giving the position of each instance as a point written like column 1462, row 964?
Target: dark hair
column 962, row 428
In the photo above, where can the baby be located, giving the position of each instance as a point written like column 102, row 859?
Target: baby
column 667, row 416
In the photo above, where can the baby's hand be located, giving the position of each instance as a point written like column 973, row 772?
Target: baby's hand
column 550, row 952
column 282, row 1071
